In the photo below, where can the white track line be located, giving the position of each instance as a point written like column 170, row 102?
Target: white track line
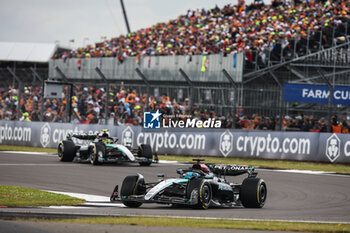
column 29, row 153
column 91, row 200
column 86, row 197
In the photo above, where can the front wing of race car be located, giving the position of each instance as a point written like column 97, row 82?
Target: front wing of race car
column 152, row 197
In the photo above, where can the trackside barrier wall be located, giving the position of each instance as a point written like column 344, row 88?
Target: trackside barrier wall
column 322, row 147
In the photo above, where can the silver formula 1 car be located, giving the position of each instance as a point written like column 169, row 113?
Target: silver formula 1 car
column 200, row 186
column 101, row 148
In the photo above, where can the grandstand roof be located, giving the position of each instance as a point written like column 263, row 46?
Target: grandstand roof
column 26, row 52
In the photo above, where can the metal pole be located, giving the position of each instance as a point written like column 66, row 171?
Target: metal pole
column 68, row 97
column 235, row 89
column 99, row 72
column 282, row 42
column 42, row 93
column 308, row 42
column 295, row 45
column 70, row 103
column 138, row 71
column 20, row 87
column 125, row 17
column 346, row 31
column 188, row 80
column 281, row 98
column 330, row 100
column 333, row 34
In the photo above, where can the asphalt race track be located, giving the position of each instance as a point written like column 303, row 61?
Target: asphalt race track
column 291, row 196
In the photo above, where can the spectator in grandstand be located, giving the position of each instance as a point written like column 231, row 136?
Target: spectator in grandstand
column 336, row 127
column 323, row 125
column 25, row 117
column 269, row 30
column 306, row 125
column 128, row 106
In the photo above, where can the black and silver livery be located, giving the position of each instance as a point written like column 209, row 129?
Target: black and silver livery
column 200, row 186
column 101, row 148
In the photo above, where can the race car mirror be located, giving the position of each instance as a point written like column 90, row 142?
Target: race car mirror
column 179, row 171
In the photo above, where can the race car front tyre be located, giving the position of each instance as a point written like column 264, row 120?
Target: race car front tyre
column 202, row 191
column 132, row 185
column 145, row 151
column 66, row 151
column 99, row 151
column 253, row 193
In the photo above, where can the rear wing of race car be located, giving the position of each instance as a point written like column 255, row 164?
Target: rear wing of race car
column 232, row 170
column 90, row 137
column 82, row 136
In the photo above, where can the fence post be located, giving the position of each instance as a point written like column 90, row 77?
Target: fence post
column 188, row 80
column 20, row 87
column 281, row 98
column 68, row 94
column 330, row 100
column 235, row 89
column 102, row 76
column 42, row 92
column 138, row 71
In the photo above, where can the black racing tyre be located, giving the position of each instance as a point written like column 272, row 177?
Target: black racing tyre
column 132, row 185
column 253, row 193
column 66, row 151
column 204, row 193
column 205, row 196
column 98, row 151
column 145, row 151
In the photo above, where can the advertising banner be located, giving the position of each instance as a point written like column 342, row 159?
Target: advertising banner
column 301, row 146
column 318, row 94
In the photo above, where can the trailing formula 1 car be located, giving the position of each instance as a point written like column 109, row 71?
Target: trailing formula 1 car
column 101, row 148
column 200, row 186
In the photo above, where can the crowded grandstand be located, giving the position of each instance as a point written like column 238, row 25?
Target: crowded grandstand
column 265, row 34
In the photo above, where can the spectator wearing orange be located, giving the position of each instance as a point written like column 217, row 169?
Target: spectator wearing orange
column 336, row 127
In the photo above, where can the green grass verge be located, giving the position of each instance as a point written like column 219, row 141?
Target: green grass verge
column 20, row 196
column 27, row 148
column 212, row 223
column 278, row 164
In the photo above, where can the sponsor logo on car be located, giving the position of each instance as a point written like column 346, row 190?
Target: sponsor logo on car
column 45, row 135
column 226, row 143
column 333, row 147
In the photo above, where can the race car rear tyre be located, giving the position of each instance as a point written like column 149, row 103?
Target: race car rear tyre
column 99, row 151
column 145, row 151
column 204, row 193
column 132, row 185
column 66, row 151
column 253, row 193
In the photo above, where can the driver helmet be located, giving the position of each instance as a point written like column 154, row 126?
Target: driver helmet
column 103, row 133
column 201, row 167
column 189, row 175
